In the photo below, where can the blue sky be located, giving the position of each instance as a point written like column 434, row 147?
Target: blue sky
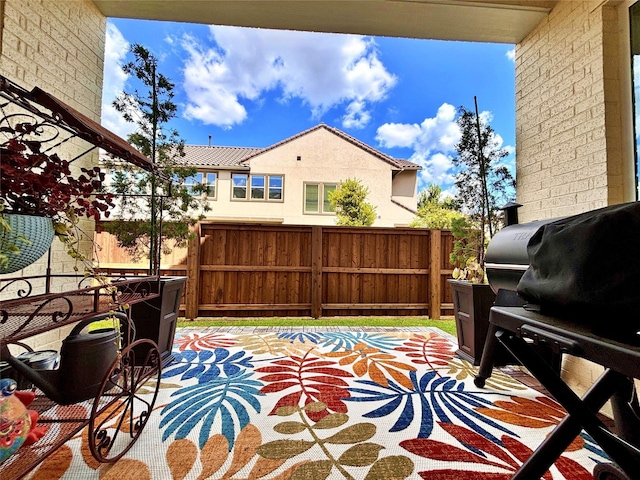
column 253, row 87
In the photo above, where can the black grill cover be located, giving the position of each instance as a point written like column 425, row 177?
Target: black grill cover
column 588, row 265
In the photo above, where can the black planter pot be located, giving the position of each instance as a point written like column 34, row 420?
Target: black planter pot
column 472, row 303
column 156, row 319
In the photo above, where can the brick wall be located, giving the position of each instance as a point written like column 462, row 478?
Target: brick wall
column 568, row 132
column 59, row 47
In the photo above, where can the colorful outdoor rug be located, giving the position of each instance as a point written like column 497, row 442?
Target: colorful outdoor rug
column 333, row 404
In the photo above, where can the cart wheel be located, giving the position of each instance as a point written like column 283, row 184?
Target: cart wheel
column 125, row 402
column 479, row 381
column 609, row 471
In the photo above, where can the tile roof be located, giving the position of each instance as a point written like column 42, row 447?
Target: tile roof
column 400, row 164
column 407, row 164
column 214, row 156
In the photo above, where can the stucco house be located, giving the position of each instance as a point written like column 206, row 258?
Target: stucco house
column 574, row 70
column 289, row 182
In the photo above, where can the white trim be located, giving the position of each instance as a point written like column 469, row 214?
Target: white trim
column 627, row 134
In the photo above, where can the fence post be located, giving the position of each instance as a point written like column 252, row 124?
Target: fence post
column 435, row 274
column 316, row 272
column 193, row 272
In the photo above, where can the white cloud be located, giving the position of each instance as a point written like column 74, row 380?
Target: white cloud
column 356, row 115
column 116, row 48
column 439, row 133
column 433, row 143
column 511, row 54
column 486, row 117
column 436, row 168
column 392, row 135
column 321, row 70
column 499, row 143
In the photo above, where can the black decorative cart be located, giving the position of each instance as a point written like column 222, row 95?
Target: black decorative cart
column 108, row 378
column 111, row 405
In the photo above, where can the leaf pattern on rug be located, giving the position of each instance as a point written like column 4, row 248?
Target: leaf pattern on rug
column 429, row 349
column 200, row 404
column 182, row 456
column 370, row 360
column 124, row 468
column 207, row 364
column 360, row 453
column 302, row 337
column 430, row 396
column 149, row 387
column 384, row 405
column 540, row 412
column 54, row 466
column 197, row 342
column 307, row 378
column 270, row 344
column 438, row 353
column 506, row 456
column 464, row 370
column 348, row 340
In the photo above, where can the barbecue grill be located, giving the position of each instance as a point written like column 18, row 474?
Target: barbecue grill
column 506, row 258
column 521, row 329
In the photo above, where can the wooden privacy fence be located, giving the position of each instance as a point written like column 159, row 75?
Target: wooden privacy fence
column 285, row 270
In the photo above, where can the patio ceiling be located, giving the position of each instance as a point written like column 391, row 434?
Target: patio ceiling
column 503, row 21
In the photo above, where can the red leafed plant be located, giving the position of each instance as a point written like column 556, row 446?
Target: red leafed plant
column 39, row 183
column 36, row 183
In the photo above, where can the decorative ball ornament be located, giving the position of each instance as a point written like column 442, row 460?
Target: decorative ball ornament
column 15, row 422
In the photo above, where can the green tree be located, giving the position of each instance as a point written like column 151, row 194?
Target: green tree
column 483, row 182
column 467, row 241
column 146, row 198
column 349, row 201
column 433, row 195
column 434, row 211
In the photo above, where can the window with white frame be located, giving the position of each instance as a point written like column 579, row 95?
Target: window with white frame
column 257, row 187
column 207, row 182
column 191, row 182
column 316, row 197
column 239, row 186
column 275, row 187
column 211, row 185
